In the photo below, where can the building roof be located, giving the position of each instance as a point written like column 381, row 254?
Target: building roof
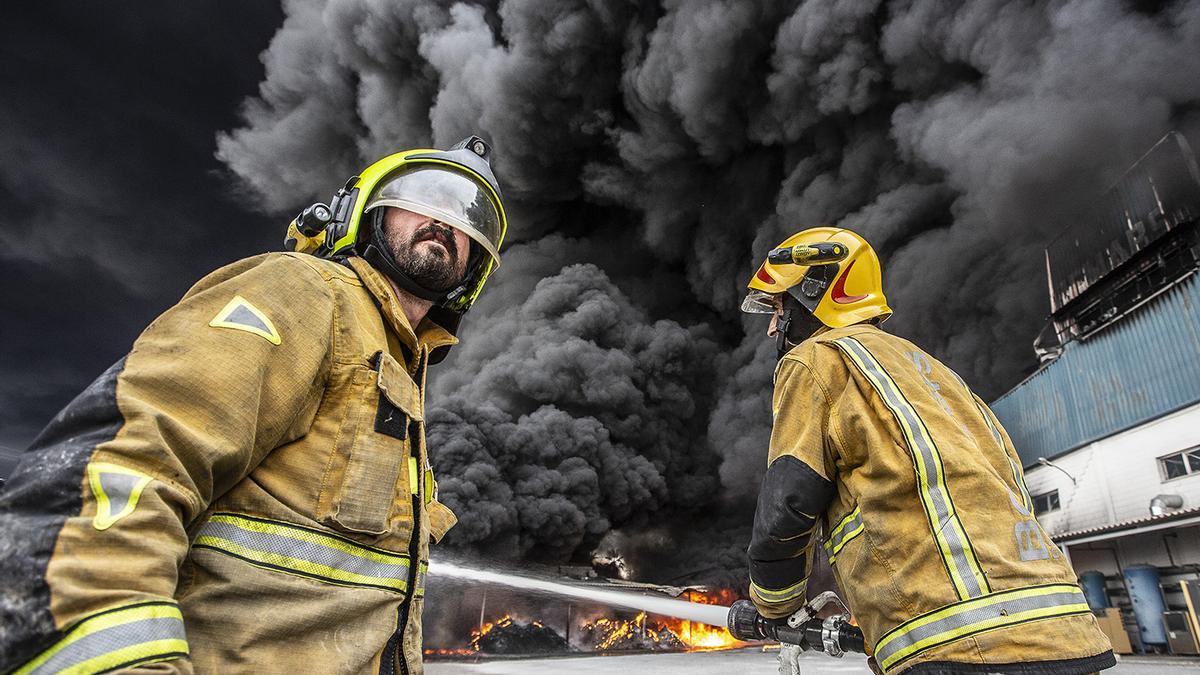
column 1140, row 367
column 1131, row 525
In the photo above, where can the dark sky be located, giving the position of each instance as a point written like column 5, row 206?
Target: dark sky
column 111, row 201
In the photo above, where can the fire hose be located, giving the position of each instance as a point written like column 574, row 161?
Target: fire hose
column 833, row 635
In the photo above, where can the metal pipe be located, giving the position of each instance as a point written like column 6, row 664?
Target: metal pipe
column 1160, row 504
column 1045, row 462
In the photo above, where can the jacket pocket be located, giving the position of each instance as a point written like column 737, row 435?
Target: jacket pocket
column 373, row 443
column 441, row 519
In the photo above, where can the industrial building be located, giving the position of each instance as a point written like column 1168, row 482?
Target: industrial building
column 1108, row 428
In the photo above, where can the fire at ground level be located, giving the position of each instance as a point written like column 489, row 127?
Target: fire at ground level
column 568, row 612
column 750, row 661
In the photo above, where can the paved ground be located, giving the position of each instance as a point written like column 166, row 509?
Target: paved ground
column 736, row 662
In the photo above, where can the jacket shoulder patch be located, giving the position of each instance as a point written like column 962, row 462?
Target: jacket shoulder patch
column 117, row 490
column 239, row 314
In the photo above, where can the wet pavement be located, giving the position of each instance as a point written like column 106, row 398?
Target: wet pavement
column 736, row 662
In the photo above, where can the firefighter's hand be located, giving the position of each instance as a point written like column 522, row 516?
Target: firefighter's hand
column 789, row 658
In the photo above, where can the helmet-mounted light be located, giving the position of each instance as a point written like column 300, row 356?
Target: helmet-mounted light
column 822, row 253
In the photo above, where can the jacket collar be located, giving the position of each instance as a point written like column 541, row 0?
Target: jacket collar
column 428, row 335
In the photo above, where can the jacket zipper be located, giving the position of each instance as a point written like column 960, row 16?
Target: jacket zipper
column 393, row 654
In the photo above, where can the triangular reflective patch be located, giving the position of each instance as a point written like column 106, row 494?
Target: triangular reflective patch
column 116, row 490
column 239, row 314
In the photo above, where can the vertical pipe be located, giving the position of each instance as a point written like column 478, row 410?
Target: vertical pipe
column 482, row 606
column 1050, row 287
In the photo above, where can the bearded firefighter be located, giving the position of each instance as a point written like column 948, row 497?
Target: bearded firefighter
column 249, row 490
column 917, row 488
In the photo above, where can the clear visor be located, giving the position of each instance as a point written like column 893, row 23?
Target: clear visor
column 447, row 196
column 760, row 302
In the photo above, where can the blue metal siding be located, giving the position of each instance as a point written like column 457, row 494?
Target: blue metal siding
column 1143, row 366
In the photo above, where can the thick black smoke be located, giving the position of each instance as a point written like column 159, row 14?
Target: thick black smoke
column 652, row 153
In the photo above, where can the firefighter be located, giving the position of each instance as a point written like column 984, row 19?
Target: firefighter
column 248, row 490
column 917, row 489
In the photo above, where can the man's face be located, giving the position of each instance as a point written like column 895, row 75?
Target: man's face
column 430, row 252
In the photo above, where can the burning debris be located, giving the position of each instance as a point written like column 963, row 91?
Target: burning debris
column 512, row 636
column 644, row 634
column 636, row 634
column 586, row 627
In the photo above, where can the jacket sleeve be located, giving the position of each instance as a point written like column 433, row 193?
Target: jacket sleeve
column 93, row 522
column 796, row 489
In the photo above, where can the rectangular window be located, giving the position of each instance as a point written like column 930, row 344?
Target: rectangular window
column 1047, row 501
column 1180, row 463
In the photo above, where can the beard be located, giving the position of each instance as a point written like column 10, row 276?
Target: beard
column 428, row 267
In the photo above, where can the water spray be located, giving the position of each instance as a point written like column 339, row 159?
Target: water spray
column 713, row 615
column 833, row 635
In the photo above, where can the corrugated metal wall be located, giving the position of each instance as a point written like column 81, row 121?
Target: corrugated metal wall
column 1143, row 366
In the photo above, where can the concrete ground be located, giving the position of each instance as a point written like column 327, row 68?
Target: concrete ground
column 736, row 662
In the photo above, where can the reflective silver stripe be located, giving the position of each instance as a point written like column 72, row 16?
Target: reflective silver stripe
column 969, row 617
column 948, row 532
column 1012, row 466
column 850, row 527
column 422, row 573
column 996, row 436
column 777, row 596
column 296, row 549
column 115, row 638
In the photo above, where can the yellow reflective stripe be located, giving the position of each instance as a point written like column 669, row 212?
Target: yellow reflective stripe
column 949, row 535
column 120, row 497
column 836, row 533
column 430, row 486
column 969, row 617
column 240, row 314
column 307, row 535
column 850, row 527
column 413, row 475
column 1012, row 466
column 772, row 596
column 289, row 548
column 999, row 438
column 115, row 638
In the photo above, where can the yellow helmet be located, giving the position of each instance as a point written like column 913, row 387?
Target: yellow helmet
column 454, row 186
column 833, row 272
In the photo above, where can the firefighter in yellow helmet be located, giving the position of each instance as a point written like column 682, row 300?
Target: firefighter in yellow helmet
column 912, row 483
column 249, row 490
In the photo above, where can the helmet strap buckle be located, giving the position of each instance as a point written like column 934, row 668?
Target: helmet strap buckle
column 782, row 345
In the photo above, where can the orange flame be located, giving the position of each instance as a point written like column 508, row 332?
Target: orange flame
column 616, row 634
column 691, row 635
column 701, row 636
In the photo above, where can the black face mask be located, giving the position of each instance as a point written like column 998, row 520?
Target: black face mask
column 796, row 325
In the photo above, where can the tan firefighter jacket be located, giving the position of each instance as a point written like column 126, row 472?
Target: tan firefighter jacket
column 929, row 528
column 247, row 491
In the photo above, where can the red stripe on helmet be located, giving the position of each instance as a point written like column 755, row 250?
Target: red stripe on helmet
column 763, row 276
column 839, row 289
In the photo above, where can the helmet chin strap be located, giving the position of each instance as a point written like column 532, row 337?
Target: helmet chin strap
column 782, row 344
column 379, row 255
column 795, row 326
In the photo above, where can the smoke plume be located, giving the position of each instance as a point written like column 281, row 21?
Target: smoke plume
column 651, row 153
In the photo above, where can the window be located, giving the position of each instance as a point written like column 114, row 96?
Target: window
column 1180, row 463
column 1047, row 501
